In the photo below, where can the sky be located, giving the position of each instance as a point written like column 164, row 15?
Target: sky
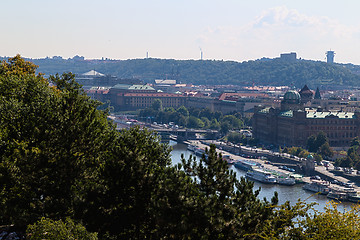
column 237, row 30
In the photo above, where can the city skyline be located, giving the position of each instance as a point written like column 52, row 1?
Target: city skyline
column 220, row 30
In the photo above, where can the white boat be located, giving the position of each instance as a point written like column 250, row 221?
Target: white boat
column 321, row 187
column 337, row 195
column 246, row 165
column 284, row 180
column 191, row 147
column 344, row 194
column 261, row 176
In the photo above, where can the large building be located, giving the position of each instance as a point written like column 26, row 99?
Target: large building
column 292, row 123
column 131, row 97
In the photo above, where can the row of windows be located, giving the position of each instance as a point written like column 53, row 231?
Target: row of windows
column 346, row 122
column 337, row 134
column 332, row 128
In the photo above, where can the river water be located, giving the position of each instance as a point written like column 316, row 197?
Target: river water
column 285, row 193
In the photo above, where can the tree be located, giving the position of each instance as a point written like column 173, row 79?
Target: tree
column 355, row 142
column 194, row 122
column 224, row 127
column 228, row 207
column 235, row 137
column 53, row 230
column 183, row 111
column 234, row 122
column 320, row 140
column 310, row 143
column 50, row 141
column 325, row 150
column 214, row 125
column 157, row 105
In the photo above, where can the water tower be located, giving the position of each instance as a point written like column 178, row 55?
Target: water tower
column 330, row 56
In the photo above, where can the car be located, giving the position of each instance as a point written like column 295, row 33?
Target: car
column 315, row 177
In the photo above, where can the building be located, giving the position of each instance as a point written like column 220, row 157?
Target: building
column 293, row 123
column 288, row 56
column 134, row 101
column 330, row 56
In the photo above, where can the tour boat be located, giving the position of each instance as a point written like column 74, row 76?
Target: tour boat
column 246, row 165
column 261, row 176
column 344, row 194
column 321, row 187
column 285, row 180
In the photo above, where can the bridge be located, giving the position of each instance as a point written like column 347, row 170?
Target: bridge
column 179, row 134
column 187, row 134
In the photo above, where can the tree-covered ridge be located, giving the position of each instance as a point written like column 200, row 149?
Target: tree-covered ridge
column 265, row 72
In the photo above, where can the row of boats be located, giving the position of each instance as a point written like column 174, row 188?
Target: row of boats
column 256, row 171
column 333, row 191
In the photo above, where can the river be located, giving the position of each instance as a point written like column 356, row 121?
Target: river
column 285, row 193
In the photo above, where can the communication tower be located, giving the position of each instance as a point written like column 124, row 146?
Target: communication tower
column 330, row 56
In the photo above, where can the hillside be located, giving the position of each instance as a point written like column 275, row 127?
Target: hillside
column 264, row 72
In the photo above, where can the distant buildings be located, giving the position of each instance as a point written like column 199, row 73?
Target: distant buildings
column 293, row 123
column 288, row 56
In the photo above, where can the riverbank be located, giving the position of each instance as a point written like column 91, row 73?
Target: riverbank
column 321, row 171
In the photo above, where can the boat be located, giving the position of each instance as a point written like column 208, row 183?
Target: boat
column 261, row 175
column 199, row 151
column 298, row 178
column 344, row 194
column 337, row 195
column 228, row 159
column 191, row 148
column 321, row 187
column 285, row 180
column 246, row 165
column 354, row 198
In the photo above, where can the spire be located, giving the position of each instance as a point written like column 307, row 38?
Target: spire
column 317, row 94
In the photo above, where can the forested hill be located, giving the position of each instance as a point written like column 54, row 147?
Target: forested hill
column 265, row 72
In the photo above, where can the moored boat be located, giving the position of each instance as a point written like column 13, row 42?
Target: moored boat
column 261, row 176
column 337, row 195
column 246, row 165
column 285, row 180
column 321, row 187
column 344, row 194
column 191, row 147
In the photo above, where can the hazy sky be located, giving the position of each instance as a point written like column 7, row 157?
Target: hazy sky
column 237, row 30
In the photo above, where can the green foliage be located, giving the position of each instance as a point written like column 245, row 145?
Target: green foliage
column 318, row 158
column 194, row 122
column 17, row 66
column 55, row 230
column 352, row 158
column 183, row 111
column 325, row 150
column 157, row 105
column 310, row 143
column 235, row 137
column 228, row 207
column 297, row 151
column 320, row 145
column 234, row 122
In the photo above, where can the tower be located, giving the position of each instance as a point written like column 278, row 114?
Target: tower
column 330, row 56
